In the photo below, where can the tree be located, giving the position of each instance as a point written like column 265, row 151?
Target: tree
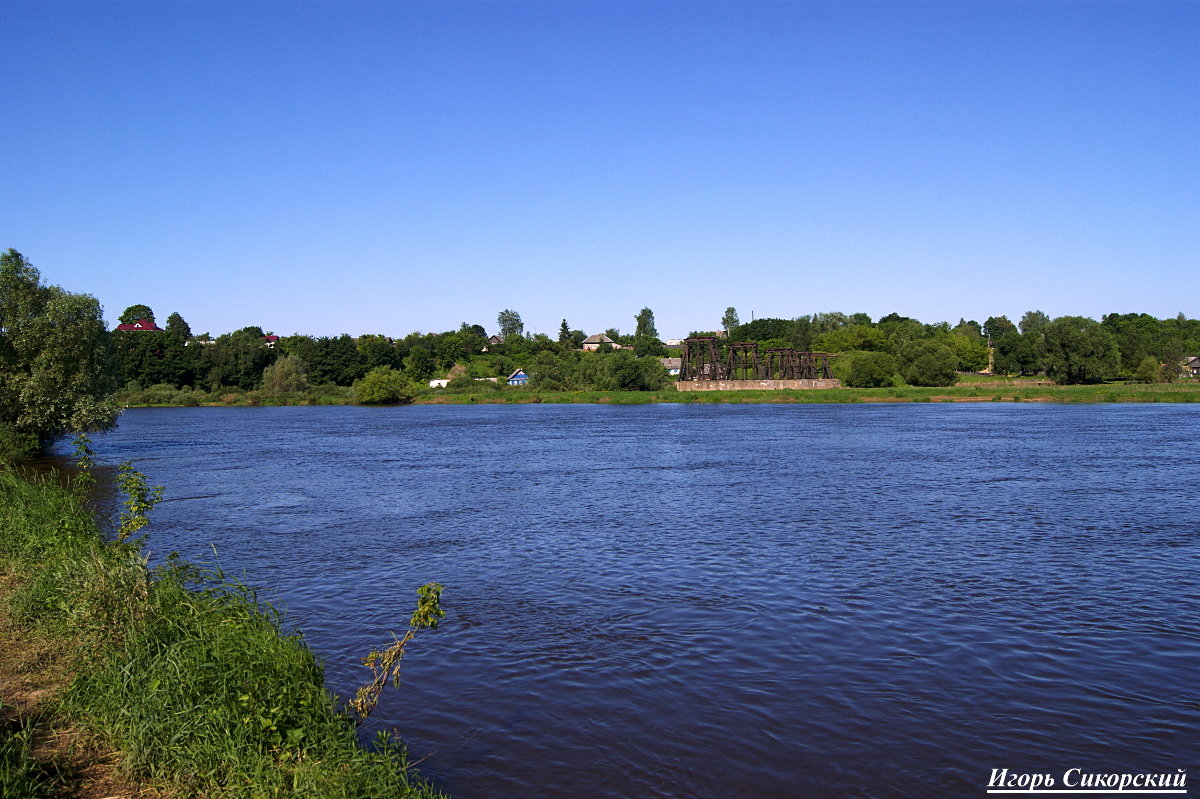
column 135, row 312
column 288, row 375
column 55, row 376
column 729, row 321
column 1033, row 321
column 1148, row 371
column 177, row 327
column 1079, row 350
column 928, row 363
column 645, row 336
column 851, row 338
column 419, row 364
column 564, row 333
column 511, row 325
column 237, row 358
column 971, row 351
column 870, row 369
column 383, row 385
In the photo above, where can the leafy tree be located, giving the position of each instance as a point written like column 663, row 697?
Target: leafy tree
column 825, row 322
column 1079, row 350
column 870, row 369
column 1033, row 321
column 625, row 372
column 858, row 319
column 763, row 329
column 288, row 375
column 177, row 327
column 645, row 325
column 383, row 385
column 851, row 338
column 152, row 357
column 928, row 363
column 548, row 372
column 511, row 325
column 971, row 351
column 135, row 312
column 729, row 321
column 645, row 337
column 997, row 326
column 54, row 369
column 968, row 328
column 419, row 365
column 238, row 359
column 376, row 350
column 1148, row 371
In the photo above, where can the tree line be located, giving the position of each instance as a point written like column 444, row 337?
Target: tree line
column 1067, row 349
column 60, row 367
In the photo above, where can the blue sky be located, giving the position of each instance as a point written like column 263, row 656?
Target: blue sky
column 387, row 167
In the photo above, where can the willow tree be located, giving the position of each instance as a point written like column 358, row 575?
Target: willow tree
column 55, row 378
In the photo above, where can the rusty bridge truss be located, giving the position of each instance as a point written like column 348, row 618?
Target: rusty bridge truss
column 743, row 360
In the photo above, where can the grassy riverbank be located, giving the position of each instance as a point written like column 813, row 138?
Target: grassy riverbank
column 183, row 674
column 979, row 390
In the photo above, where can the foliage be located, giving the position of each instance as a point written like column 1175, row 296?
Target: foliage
column 971, row 351
column 510, row 324
column 1148, row 371
column 870, row 369
column 287, row 375
column 185, row 673
column 645, row 325
column 1079, row 350
column 762, row 329
column 21, row 775
column 851, row 338
column 385, row 664
column 140, row 499
column 177, row 327
column 136, row 313
column 55, row 376
column 928, row 363
column 239, row 358
column 729, row 320
column 383, row 385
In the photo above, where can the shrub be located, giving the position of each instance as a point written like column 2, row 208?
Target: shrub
column 870, row 369
column 383, row 385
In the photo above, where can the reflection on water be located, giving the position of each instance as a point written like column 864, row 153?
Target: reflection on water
column 760, row 601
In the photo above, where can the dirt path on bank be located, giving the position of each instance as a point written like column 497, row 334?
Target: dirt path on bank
column 33, row 673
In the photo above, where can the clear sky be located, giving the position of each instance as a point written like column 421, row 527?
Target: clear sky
column 362, row 167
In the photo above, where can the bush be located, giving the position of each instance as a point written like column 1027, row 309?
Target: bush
column 870, row 369
column 383, row 385
column 928, row 363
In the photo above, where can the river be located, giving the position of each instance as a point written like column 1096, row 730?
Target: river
column 722, row 600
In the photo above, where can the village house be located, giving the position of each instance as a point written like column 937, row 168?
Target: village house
column 593, row 343
column 518, row 378
column 1191, row 365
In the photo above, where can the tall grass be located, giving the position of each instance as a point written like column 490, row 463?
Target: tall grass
column 186, row 673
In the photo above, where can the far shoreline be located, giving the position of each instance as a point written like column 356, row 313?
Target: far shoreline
column 1000, row 392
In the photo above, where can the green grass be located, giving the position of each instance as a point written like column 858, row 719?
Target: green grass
column 22, row 776
column 187, row 674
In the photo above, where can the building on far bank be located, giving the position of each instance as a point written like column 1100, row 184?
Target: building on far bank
column 593, row 343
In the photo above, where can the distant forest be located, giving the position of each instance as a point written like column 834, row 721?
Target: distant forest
column 893, row 350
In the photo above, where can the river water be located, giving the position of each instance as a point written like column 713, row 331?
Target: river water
column 725, row 600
